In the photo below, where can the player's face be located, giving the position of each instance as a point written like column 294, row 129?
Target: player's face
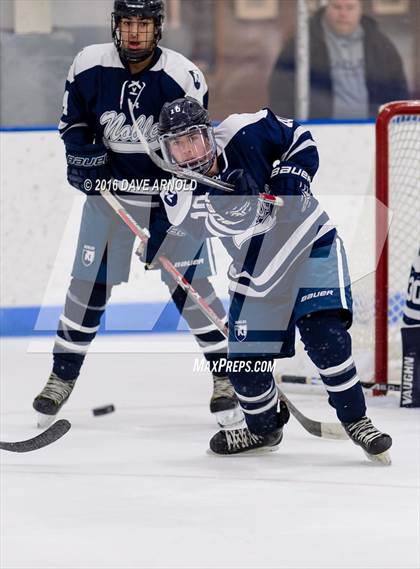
column 343, row 16
column 137, row 33
column 189, row 148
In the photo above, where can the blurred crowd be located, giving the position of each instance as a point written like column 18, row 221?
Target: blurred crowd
column 362, row 53
column 354, row 67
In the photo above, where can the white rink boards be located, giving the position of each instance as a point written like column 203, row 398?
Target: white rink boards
column 136, row 488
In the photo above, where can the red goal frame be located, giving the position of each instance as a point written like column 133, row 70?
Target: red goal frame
column 386, row 114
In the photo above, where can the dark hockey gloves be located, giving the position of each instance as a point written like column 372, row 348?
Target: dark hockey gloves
column 292, row 183
column 238, row 209
column 160, row 242
column 288, row 179
column 87, row 167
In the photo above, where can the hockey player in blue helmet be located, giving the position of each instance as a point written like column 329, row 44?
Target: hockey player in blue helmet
column 101, row 145
column 288, row 269
column 137, row 28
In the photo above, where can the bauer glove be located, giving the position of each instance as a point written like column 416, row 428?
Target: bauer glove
column 292, row 182
column 288, row 179
column 87, row 167
column 160, row 242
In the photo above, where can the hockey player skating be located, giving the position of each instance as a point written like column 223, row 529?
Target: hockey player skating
column 289, row 268
column 101, row 148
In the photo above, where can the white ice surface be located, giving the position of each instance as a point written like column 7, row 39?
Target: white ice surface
column 136, row 488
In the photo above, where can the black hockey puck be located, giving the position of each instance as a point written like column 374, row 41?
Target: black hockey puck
column 103, row 410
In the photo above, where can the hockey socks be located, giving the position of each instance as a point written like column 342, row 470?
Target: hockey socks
column 85, row 304
column 256, row 392
column 212, row 342
column 328, row 345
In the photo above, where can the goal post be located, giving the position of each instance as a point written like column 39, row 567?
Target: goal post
column 389, row 238
column 398, row 189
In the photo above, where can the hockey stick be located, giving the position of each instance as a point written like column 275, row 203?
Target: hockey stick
column 115, row 204
column 52, row 434
column 316, row 428
column 314, row 380
column 191, row 174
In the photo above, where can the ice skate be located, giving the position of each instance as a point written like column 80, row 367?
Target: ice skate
column 224, row 403
column 241, row 440
column 49, row 402
column 374, row 443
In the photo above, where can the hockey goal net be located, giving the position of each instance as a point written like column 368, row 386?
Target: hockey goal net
column 392, row 234
column 397, row 238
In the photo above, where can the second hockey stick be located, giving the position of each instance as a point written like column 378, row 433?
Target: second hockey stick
column 52, row 434
column 191, row 174
column 316, row 428
column 314, row 380
column 116, row 205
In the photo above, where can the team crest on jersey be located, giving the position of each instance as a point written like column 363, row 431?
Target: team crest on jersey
column 264, row 210
column 241, row 330
column 88, row 255
column 196, row 79
column 170, row 198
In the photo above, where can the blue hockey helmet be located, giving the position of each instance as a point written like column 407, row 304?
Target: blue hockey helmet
column 144, row 9
column 186, row 135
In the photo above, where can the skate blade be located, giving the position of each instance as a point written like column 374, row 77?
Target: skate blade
column 44, row 421
column 383, row 458
column 255, row 451
column 230, row 419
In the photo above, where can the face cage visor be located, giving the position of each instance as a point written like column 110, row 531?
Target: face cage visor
column 193, row 148
column 135, row 55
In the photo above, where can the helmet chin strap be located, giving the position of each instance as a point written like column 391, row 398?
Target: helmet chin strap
column 133, row 57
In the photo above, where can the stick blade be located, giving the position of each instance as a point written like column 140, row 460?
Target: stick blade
column 316, row 428
column 52, row 434
column 333, row 431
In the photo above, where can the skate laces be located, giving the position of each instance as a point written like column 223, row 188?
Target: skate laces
column 57, row 389
column 363, row 430
column 241, row 439
column 222, row 388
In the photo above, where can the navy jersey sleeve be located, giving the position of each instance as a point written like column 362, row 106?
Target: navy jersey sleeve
column 255, row 142
column 74, row 124
column 291, row 142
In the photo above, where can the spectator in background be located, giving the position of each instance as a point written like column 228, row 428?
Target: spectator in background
column 354, row 67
